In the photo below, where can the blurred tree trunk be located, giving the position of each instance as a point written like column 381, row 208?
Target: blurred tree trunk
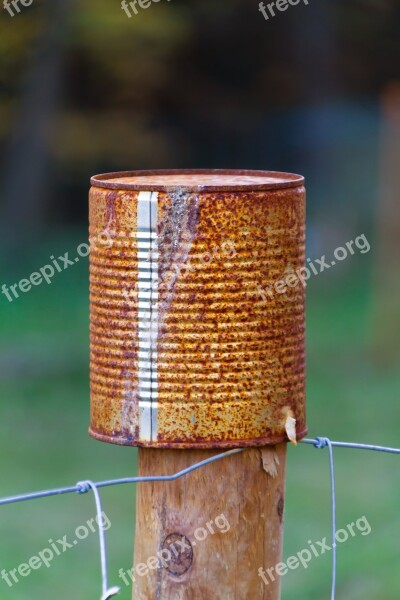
column 26, row 174
column 386, row 310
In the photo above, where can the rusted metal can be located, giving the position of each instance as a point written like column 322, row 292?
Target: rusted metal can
column 197, row 308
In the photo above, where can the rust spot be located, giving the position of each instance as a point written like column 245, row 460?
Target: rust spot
column 177, row 231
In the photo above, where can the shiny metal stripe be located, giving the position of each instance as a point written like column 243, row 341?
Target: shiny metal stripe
column 146, row 363
column 147, row 284
column 145, row 275
column 144, row 236
column 143, row 295
column 146, row 377
column 146, row 257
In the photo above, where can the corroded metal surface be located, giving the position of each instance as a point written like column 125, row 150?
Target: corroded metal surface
column 188, row 348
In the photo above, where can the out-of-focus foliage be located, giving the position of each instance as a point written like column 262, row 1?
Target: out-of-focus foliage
column 150, row 90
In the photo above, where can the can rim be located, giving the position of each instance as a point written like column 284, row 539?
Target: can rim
column 284, row 180
column 122, row 440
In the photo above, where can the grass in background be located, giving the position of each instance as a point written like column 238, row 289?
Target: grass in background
column 44, row 414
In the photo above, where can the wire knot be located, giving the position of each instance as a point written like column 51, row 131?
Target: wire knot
column 110, row 593
column 321, row 442
column 83, row 487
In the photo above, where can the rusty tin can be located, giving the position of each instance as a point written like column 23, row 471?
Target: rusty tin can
column 197, row 308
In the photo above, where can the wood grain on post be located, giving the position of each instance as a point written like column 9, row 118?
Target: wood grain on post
column 224, row 520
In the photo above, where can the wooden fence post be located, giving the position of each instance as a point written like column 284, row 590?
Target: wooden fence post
column 225, row 522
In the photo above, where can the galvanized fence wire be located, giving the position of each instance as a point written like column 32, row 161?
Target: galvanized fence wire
column 82, row 487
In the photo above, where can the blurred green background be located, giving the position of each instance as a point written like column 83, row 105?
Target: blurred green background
column 85, row 89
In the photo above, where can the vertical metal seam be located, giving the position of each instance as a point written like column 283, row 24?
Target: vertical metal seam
column 147, row 253
column 154, row 312
column 151, row 258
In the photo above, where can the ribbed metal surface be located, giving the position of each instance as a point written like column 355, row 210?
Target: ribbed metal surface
column 185, row 351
